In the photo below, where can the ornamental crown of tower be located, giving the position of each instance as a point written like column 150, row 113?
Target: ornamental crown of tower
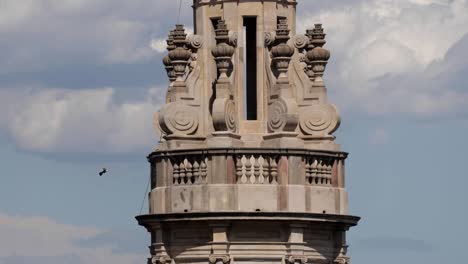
column 247, row 157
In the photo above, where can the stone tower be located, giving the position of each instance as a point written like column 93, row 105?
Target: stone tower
column 247, row 170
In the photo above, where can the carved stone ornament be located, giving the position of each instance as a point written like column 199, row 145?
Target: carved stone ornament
column 319, row 120
column 177, row 118
column 167, row 61
column 224, row 115
column 282, row 52
column 219, row 259
column 300, row 41
column 283, row 110
column 224, row 109
column 180, row 55
column 296, row 259
column 160, row 260
column 283, row 116
column 318, row 56
column 233, row 38
column 269, row 38
column 195, row 42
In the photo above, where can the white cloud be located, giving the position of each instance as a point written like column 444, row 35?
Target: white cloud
column 42, row 237
column 159, row 45
column 58, row 120
column 381, row 47
column 37, row 34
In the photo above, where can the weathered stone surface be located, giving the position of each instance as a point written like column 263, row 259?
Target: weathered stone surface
column 230, row 188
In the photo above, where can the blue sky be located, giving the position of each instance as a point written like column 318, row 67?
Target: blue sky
column 81, row 79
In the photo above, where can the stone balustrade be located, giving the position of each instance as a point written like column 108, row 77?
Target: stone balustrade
column 247, row 166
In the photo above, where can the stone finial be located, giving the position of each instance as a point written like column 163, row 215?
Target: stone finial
column 282, row 52
column 170, row 41
column 180, row 55
column 167, row 61
column 310, row 73
column 223, row 51
column 318, row 57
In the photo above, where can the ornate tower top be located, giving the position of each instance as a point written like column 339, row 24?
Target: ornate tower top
column 247, row 155
column 246, row 79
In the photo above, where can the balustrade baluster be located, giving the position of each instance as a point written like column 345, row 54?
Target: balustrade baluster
column 314, row 171
column 308, row 168
column 321, row 171
column 274, row 170
column 248, row 168
column 182, row 173
column 329, row 170
column 196, row 172
column 265, row 171
column 176, row 173
column 203, row 171
column 256, row 169
column 239, row 166
column 189, row 168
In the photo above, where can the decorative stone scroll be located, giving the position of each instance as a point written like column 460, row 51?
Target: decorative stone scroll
column 195, row 42
column 224, row 108
column 177, row 118
column 283, row 109
column 219, row 259
column 300, row 41
column 319, row 120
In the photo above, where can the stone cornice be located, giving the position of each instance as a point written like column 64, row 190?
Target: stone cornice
column 234, row 151
column 346, row 220
column 198, row 3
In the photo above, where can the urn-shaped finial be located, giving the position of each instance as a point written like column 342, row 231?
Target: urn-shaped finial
column 318, row 57
column 180, row 55
column 223, row 51
column 167, row 61
column 282, row 52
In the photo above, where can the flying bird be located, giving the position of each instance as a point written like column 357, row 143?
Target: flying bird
column 104, row 170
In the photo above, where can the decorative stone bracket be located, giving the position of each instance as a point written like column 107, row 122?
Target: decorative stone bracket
column 176, row 117
column 318, row 119
column 224, row 109
column 283, row 109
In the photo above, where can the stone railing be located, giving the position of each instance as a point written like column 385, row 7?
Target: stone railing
column 247, row 166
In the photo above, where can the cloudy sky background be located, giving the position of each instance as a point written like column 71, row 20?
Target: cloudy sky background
column 81, row 79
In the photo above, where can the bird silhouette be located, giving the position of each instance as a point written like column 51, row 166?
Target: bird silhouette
column 104, row 170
